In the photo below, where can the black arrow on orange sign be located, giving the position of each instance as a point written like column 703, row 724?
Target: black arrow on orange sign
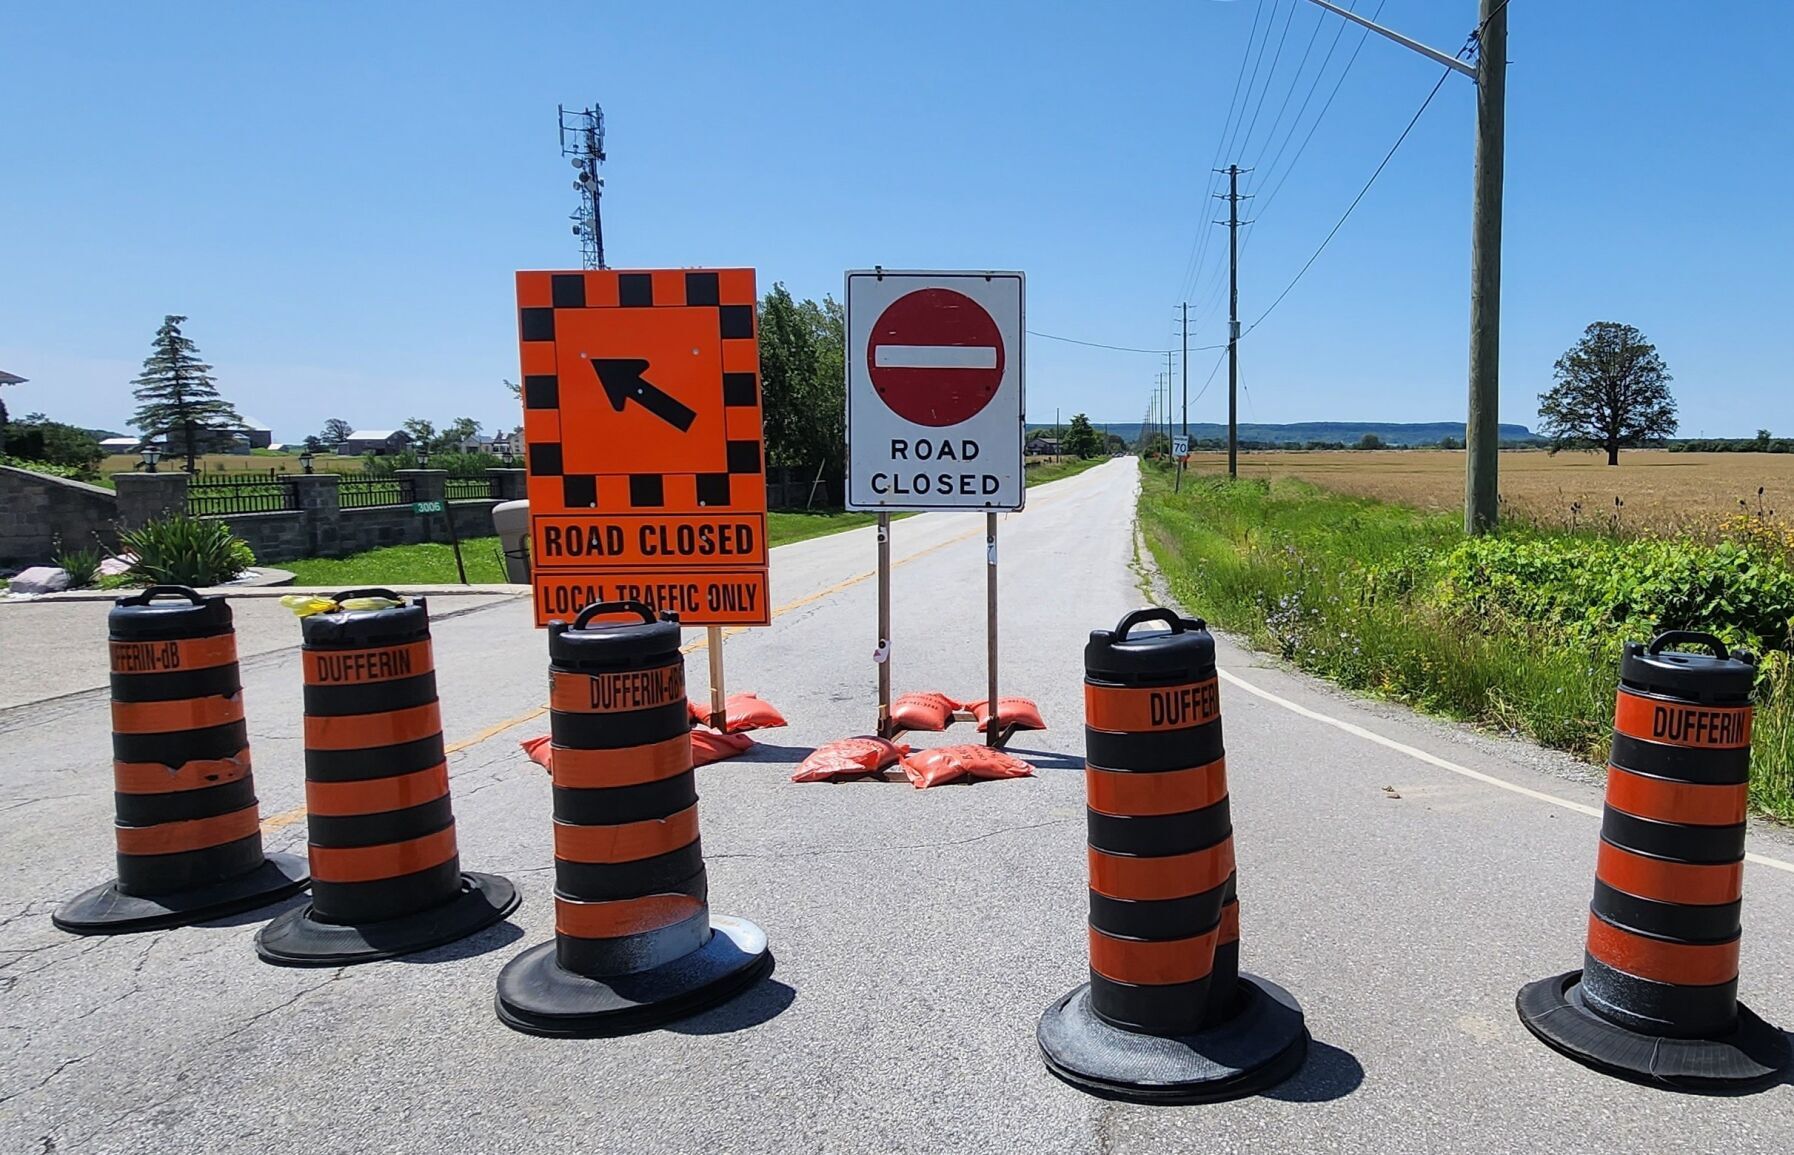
column 623, row 383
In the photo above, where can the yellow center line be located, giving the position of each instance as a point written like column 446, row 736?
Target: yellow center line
column 288, row 817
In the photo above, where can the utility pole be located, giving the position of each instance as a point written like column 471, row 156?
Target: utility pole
column 1482, row 430
column 1232, row 222
column 1186, row 370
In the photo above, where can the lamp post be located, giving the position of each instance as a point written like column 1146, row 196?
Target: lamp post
column 151, row 455
column 305, row 461
column 423, row 457
column 1482, row 433
column 505, row 455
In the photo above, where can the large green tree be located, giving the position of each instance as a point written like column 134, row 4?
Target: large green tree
column 336, row 431
column 802, row 377
column 176, row 394
column 1081, row 439
column 1612, row 390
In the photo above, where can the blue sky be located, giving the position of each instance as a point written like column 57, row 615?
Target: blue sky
column 338, row 194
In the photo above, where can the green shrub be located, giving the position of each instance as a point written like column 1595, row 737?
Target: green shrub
column 1593, row 587
column 82, row 566
column 188, row 551
column 1520, row 631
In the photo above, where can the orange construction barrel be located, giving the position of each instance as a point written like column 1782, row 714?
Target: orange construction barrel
column 188, row 824
column 386, row 870
column 1166, row 1017
column 1656, row 999
column 635, row 944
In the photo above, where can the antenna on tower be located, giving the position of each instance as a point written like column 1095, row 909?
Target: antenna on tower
column 582, row 139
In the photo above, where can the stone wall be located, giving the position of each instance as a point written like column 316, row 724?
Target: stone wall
column 37, row 509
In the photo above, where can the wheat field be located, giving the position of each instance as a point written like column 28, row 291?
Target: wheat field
column 1656, row 489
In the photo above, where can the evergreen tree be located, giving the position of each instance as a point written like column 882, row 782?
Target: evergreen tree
column 176, row 394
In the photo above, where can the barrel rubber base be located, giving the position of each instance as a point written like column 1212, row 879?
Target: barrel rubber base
column 538, row 996
column 107, row 910
column 1753, row 1054
column 297, row 939
column 1263, row 1044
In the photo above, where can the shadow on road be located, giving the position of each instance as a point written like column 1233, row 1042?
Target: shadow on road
column 1329, row 1073
column 1047, row 759
column 761, row 1003
column 495, row 936
column 761, row 752
column 260, row 913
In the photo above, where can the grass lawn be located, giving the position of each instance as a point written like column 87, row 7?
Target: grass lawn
column 435, row 562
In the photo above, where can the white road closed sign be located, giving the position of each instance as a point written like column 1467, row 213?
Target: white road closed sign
column 934, row 390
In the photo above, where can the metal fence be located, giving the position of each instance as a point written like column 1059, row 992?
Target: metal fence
column 353, row 492
column 472, row 488
column 220, row 493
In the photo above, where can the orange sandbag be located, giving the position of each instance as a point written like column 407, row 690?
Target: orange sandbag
column 928, row 768
column 1016, row 713
column 741, row 713
column 849, row 758
column 709, row 745
column 923, row 712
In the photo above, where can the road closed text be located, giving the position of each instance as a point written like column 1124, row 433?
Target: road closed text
column 581, row 542
column 931, row 467
column 699, row 598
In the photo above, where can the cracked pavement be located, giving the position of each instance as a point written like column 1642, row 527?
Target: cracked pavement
column 919, row 934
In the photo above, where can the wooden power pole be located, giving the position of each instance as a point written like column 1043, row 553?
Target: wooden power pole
column 1482, row 427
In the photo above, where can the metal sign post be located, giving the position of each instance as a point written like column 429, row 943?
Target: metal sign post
column 994, row 734
column 935, row 420
column 882, row 655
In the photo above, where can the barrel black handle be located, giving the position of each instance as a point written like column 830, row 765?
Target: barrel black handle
column 1680, row 637
column 1155, row 614
column 152, row 593
column 630, row 607
column 372, row 592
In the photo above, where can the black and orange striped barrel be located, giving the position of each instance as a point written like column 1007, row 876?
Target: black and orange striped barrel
column 635, row 942
column 1663, row 931
column 1164, row 919
column 629, row 870
column 184, row 795
column 381, row 829
column 1167, row 1016
column 380, row 826
column 1656, row 1000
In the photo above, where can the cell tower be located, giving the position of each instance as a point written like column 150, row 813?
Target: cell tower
column 582, row 139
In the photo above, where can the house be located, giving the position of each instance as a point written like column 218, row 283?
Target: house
column 258, row 435
column 116, row 445
column 1039, row 446
column 379, row 442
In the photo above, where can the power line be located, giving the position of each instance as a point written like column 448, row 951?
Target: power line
column 1446, row 75
column 1295, row 82
column 1115, row 348
column 1199, row 243
column 1271, row 76
column 1265, row 205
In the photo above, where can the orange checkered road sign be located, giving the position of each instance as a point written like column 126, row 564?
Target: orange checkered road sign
column 641, row 409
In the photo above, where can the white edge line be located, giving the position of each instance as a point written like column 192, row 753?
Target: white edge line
column 1452, row 767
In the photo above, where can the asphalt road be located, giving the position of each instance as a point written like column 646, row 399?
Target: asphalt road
column 919, row 934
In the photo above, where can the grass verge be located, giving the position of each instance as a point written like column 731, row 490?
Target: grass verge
column 1395, row 602
column 1041, row 472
